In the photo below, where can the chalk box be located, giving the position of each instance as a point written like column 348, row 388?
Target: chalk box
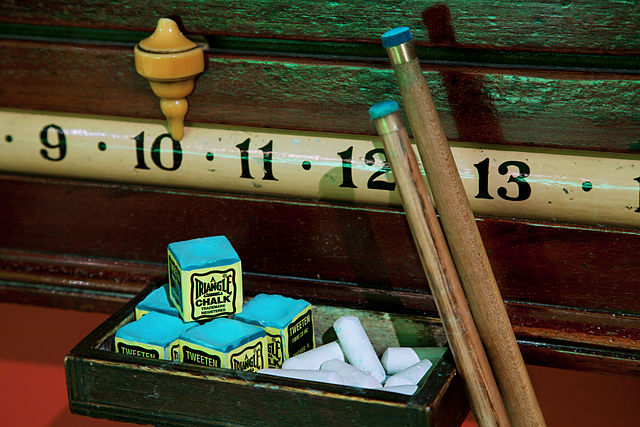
column 97, row 376
column 205, row 277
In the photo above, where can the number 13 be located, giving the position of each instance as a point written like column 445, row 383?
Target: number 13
column 524, row 189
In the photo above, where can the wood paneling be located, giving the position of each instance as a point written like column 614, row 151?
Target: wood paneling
column 559, row 109
column 584, row 267
column 579, row 26
column 533, row 73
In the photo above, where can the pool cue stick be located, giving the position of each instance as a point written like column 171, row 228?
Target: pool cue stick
column 461, row 231
column 439, row 268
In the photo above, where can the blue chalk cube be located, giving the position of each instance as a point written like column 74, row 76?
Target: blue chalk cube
column 288, row 323
column 154, row 336
column 205, row 277
column 225, row 343
column 157, row 301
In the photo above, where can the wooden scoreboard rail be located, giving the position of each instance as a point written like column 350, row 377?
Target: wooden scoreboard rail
column 510, row 181
column 537, row 78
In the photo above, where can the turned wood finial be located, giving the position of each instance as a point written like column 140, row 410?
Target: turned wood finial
column 171, row 62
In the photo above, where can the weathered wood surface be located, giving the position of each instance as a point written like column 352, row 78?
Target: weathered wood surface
column 578, row 26
column 105, row 384
column 593, row 111
column 595, row 359
column 572, row 82
column 68, row 282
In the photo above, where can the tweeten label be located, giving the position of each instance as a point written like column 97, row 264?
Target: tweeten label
column 191, row 355
column 134, row 350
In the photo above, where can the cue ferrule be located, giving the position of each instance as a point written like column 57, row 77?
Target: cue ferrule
column 402, row 53
column 399, row 45
column 388, row 124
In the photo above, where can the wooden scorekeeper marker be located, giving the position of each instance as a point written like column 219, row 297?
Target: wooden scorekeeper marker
column 458, row 223
column 439, row 268
column 171, row 62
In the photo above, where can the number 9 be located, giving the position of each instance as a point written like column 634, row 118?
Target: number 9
column 61, row 145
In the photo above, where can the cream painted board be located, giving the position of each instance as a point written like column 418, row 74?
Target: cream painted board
column 555, row 185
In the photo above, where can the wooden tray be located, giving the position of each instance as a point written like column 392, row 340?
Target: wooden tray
column 105, row 384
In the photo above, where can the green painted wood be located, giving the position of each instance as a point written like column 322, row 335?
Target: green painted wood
column 595, row 111
column 577, row 26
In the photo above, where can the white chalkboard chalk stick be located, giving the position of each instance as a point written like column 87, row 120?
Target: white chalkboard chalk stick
column 395, row 359
column 356, row 346
column 411, row 375
column 351, row 375
column 312, row 359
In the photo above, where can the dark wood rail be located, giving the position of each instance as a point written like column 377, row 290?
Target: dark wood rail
column 562, row 109
column 532, row 24
column 93, row 245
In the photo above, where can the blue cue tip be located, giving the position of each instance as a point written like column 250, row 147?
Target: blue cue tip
column 396, row 37
column 383, row 108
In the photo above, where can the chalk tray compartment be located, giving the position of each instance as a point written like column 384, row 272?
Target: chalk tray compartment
column 105, row 384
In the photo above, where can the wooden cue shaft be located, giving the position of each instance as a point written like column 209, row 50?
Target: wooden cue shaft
column 438, row 265
column 463, row 236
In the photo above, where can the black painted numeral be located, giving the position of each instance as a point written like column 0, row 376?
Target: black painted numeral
column 638, row 181
column 156, row 158
column 483, row 179
column 139, row 139
column 267, row 156
column 267, row 160
column 523, row 171
column 524, row 189
column 379, row 184
column 61, row 146
column 347, row 177
column 244, row 158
